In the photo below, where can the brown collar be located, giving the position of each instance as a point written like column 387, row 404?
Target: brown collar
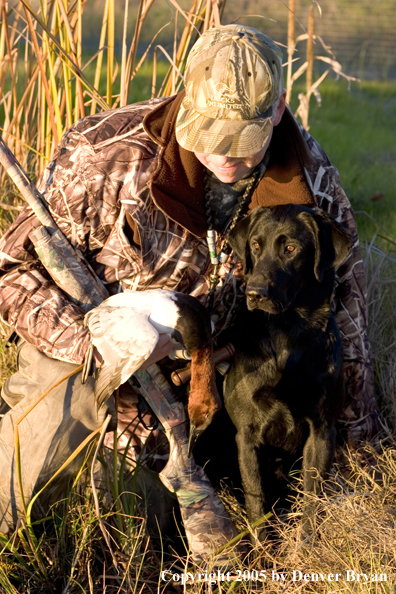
column 177, row 185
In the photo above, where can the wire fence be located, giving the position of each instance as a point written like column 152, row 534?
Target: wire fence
column 361, row 33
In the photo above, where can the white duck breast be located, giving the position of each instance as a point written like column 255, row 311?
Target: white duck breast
column 125, row 329
column 125, row 339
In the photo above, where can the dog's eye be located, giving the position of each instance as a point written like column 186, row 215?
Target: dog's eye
column 289, row 249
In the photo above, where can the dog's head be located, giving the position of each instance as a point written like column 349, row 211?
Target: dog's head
column 286, row 250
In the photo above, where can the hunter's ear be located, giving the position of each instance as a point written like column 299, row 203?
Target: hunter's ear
column 239, row 241
column 332, row 242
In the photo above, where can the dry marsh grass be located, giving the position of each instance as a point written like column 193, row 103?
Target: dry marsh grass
column 355, row 534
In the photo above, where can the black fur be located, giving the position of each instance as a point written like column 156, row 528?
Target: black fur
column 284, row 390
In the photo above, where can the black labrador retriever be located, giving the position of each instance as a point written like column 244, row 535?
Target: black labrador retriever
column 284, row 390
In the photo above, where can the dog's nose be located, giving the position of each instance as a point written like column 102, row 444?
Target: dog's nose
column 256, row 294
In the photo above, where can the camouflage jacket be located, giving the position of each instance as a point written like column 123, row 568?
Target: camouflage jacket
column 132, row 200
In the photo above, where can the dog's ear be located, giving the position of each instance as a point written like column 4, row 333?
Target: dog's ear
column 332, row 242
column 238, row 239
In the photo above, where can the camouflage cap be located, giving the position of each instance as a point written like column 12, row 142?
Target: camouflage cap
column 233, row 77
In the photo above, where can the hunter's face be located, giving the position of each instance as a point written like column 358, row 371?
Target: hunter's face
column 232, row 169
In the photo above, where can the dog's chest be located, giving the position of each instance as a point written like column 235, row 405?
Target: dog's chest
column 277, row 380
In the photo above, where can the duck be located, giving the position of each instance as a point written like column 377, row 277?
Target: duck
column 125, row 329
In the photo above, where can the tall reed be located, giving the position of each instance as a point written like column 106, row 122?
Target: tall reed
column 313, row 43
column 41, row 63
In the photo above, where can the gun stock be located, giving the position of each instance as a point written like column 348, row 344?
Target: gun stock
column 68, row 269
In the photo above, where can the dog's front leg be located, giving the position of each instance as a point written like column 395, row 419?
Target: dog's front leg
column 251, row 479
column 318, row 456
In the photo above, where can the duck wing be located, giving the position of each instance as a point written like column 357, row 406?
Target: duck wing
column 125, row 338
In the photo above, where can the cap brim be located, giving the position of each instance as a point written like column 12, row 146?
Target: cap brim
column 231, row 138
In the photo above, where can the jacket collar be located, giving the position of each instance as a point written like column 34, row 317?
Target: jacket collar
column 177, row 185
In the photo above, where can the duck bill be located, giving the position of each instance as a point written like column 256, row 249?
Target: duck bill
column 88, row 364
column 192, row 439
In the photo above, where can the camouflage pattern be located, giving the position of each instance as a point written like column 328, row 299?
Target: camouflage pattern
column 67, row 268
column 233, row 77
column 138, row 432
column 206, row 522
column 101, row 176
column 349, row 304
column 64, row 265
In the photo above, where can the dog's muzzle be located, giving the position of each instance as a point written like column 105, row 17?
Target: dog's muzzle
column 257, row 297
column 260, row 298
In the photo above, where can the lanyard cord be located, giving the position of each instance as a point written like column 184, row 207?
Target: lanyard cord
column 222, row 257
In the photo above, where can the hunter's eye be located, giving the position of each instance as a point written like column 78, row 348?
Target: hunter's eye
column 289, row 249
column 256, row 245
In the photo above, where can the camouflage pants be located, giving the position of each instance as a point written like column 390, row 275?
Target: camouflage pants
column 50, row 432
